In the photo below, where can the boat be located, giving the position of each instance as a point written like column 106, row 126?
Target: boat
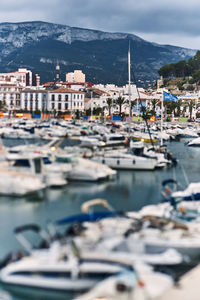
column 14, row 183
column 194, row 143
column 186, row 133
column 161, row 234
column 59, row 269
column 114, row 139
column 39, row 165
column 84, row 169
column 139, row 149
column 142, row 136
column 145, row 284
column 124, row 160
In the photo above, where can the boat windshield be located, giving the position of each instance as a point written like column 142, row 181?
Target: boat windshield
column 22, row 163
column 62, row 159
column 46, row 161
column 117, row 138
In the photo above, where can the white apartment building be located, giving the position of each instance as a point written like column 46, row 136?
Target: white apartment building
column 10, row 95
column 32, row 100
column 76, row 76
column 52, row 100
column 23, row 77
column 66, row 99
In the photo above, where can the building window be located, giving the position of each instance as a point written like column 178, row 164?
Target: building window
column 43, row 104
column 59, row 106
column 25, row 104
column 52, row 105
column 53, row 97
column 36, row 105
column 59, row 97
column 66, row 106
column 31, row 105
column 66, row 97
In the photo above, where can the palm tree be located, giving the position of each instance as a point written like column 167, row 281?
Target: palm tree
column 191, row 105
column 120, row 101
column 170, row 107
column 133, row 103
column 109, row 104
column 154, row 103
column 178, row 107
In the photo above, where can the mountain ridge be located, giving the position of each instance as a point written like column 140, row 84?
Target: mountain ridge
column 101, row 55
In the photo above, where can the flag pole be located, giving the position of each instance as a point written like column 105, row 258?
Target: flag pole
column 129, row 80
column 161, row 121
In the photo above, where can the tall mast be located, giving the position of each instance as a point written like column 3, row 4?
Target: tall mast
column 129, row 80
column 161, row 121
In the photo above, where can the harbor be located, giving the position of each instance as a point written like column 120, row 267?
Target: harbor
column 132, row 195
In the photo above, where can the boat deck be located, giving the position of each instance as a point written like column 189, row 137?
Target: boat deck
column 188, row 287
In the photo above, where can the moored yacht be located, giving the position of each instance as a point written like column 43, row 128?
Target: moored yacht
column 124, row 160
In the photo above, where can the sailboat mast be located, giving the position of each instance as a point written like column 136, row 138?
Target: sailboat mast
column 129, row 80
column 161, row 121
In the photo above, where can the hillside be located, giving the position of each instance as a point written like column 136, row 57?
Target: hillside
column 101, row 55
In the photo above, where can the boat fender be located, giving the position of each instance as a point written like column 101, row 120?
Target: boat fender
column 141, row 283
column 122, row 287
column 182, row 210
column 168, row 190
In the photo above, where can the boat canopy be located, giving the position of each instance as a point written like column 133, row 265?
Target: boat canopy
column 87, row 217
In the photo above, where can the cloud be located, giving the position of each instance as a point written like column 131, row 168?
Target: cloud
column 167, row 20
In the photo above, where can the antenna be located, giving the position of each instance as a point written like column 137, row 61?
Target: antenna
column 57, row 72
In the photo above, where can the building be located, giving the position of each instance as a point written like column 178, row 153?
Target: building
column 23, row 77
column 97, row 98
column 66, row 100
column 32, row 100
column 10, row 95
column 76, row 76
column 52, row 100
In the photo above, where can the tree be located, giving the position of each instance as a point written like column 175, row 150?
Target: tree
column 133, row 103
column 191, row 105
column 3, row 105
column 196, row 76
column 178, row 107
column 145, row 113
column 97, row 110
column 120, row 101
column 170, row 107
column 109, row 104
column 154, row 103
column 77, row 114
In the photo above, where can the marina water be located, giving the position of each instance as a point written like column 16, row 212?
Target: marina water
column 130, row 191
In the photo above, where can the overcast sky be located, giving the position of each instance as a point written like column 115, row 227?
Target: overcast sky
column 175, row 22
